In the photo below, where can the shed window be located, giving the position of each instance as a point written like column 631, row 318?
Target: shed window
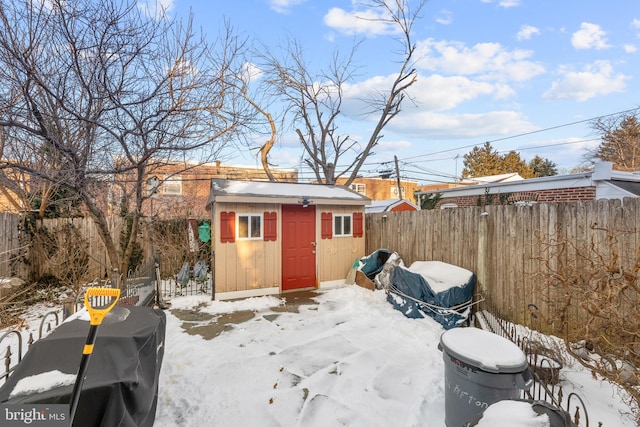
column 342, row 225
column 249, row 226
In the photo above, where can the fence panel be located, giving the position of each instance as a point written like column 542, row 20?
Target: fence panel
column 13, row 249
column 521, row 241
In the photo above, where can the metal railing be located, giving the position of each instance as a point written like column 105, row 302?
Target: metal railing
column 48, row 323
column 545, row 369
column 140, row 288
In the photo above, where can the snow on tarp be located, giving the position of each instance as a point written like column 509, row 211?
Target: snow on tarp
column 433, row 288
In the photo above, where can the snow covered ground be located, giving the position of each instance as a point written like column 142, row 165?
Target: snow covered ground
column 351, row 359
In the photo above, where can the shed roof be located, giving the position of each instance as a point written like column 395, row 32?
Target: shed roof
column 226, row 190
column 387, row 205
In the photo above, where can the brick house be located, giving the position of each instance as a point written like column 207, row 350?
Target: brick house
column 181, row 190
column 602, row 183
column 382, row 188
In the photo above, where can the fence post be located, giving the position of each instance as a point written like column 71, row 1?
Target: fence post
column 481, row 273
column 68, row 307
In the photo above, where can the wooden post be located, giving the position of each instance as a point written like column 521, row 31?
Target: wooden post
column 481, row 274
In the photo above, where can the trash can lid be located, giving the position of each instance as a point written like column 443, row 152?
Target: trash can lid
column 484, row 350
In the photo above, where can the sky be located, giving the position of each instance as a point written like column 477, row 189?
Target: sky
column 524, row 75
column 349, row 358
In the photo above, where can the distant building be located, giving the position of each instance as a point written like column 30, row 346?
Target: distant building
column 390, row 206
column 382, row 188
column 181, row 190
column 602, row 183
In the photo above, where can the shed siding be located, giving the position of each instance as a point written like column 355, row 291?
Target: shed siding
column 247, row 264
column 336, row 255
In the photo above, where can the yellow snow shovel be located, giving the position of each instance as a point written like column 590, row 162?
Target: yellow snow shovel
column 107, row 297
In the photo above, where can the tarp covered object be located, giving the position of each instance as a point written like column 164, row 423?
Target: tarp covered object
column 121, row 384
column 437, row 289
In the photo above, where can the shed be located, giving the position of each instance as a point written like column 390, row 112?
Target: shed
column 390, row 206
column 274, row 237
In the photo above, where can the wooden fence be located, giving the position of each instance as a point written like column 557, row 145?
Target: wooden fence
column 23, row 256
column 508, row 247
column 512, row 249
column 14, row 249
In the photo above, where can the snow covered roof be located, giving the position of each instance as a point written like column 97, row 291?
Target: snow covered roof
column 387, row 205
column 226, row 190
column 504, row 177
column 608, row 182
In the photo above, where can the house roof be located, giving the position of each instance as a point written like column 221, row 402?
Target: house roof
column 386, row 205
column 504, row 177
column 603, row 177
column 225, row 190
column 628, row 186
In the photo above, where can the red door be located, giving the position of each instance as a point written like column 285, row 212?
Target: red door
column 298, row 247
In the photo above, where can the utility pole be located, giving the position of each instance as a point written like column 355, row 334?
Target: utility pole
column 395, row 158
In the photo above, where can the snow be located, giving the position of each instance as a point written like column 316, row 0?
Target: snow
column 284, row 189
column 42, row 382
column 508, row 413
column 440, row 275
column 488, row 351
column 351, row 359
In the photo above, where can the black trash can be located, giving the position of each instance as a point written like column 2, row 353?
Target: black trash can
column 480, row 368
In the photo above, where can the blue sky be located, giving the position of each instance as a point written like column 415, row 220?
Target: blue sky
column 504, row 71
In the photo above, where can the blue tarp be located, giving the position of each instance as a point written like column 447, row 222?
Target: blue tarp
column 373, row 264
column 411, row 293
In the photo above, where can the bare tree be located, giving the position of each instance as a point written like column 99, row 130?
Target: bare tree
column 314, row 101
column 96, row 89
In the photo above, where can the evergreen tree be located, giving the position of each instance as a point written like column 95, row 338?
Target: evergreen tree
column 482, row 161
column 511, row 162
column 543, row 167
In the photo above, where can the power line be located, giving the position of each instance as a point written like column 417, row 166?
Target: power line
column 526, row 134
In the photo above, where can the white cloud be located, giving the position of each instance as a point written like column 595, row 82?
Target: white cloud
column 428, row 93
column 251, row 72
column 155, row 8
column 504, row 3
column 368, row 22
column 446, row 126
column 509, row 3
column 589, row 36
column 630, row 48
column 436, row 92
column 526, row 32
column 594, row 80
column 284, row 6
column 392, row 146
column 489, row 61
column 445, row 17
column 635, row 24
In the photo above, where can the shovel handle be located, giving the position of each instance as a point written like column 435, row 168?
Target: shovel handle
column 96, row 314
